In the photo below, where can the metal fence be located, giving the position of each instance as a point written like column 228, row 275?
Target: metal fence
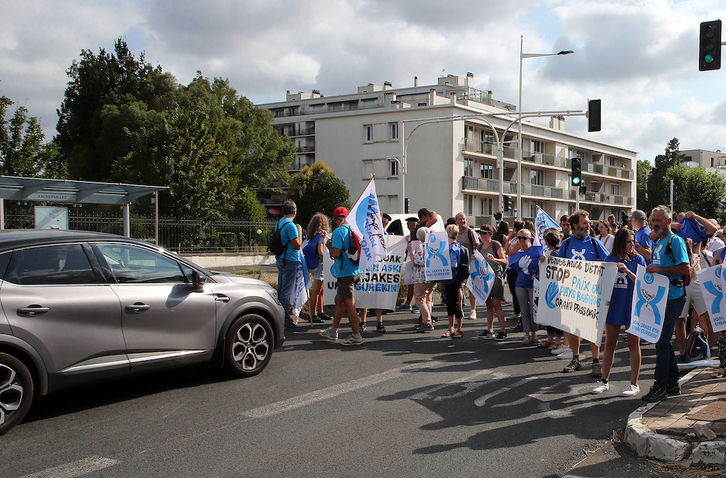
column 180, row 235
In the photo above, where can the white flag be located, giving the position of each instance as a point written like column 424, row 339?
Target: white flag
column 300, row 294
column 542, row 222
column 365, row 219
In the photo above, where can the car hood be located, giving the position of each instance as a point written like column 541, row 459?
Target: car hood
column 223, row 278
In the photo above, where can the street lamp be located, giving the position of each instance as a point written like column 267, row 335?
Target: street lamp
column 523, row 55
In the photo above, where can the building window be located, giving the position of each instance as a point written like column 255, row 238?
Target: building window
column 468, row 204
column 470, row 134
column 468, row 168
column 533, row 207
column 537, row 146
column 537, row 177
column 368, row 131
column 393, row 128
column 486, row 171
column 615, row 189
column 393, row 167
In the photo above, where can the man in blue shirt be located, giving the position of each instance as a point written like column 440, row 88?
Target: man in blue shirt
column 348, row 275
column 670, row 258
column 287, row 262
column 643, row 243
column 583, row 247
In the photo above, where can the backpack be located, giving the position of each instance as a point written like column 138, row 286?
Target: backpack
column 354, row 249
column 686, row 278
column 462, row 269
column 696, row 345
column 310, row 251
column 274, row 244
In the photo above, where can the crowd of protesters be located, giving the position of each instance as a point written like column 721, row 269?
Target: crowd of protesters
column 676, row 248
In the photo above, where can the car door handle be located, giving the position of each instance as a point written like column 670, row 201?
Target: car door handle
column 138, row 307
column 221, row 297
column 33, row 310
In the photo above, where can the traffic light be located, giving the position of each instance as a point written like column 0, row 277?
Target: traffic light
column 407, row 205
column 576, row 177
column 709, row 46
column 507, row 203
column 593, row 115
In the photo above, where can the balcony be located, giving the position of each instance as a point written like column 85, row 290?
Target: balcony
column 306, row 149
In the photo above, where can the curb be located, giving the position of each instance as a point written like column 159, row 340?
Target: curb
column 650, row 444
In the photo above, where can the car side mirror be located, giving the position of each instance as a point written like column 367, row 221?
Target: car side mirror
column 197, row 281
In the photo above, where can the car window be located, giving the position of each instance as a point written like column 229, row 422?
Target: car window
column 133, row 264
column 57, row 264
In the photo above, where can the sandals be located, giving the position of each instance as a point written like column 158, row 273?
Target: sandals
column 544, row 345
column 718, row 373
column 457, row 335
column 446, row 334
column 554, row 346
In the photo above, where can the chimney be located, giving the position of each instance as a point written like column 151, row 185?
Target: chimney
column 316, row 94
column 415, row 81
column 387, row 85
column 469, row 79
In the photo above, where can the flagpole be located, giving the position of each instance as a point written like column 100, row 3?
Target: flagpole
column 364, row 189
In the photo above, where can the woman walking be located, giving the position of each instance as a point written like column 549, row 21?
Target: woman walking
column 317, row 232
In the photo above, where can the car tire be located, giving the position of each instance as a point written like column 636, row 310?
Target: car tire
column 248, row 346
column 16, row 391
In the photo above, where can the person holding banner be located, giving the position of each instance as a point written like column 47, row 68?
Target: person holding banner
column 452, row 286
column 493, row 252
column 718, row 258
column 287, row 262
column 348, row 274
column 671, row 259
column 469, row 239
column 317, row 231
column 582, row 246
column 423, row 289
column 619, row 312
column 526, row 262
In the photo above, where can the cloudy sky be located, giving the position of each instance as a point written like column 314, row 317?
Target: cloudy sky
column 638, row 56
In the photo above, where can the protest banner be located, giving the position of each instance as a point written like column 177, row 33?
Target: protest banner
column 650, row 296
column 712, row 286
column 380, row 282
column 481, row 278
column 577, row 295
column 301, row 287
column 436, row 255
column 365, row 219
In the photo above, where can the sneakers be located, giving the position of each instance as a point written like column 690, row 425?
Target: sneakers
column 317, row 319
column 631, row 390
column 485, row 335
column 673, row 389
column 566, row 355
column 424, row 327
column 362, row 326
column 560, row 349
column 289, row 324
column 350, row 340
column 472, row 314
column 501, row 336
column 597, row 369
column 526, row 340
column 328, row 334
column 414, row 310
column 573, row 366
column 403, row 307
column 601, row 387
column 535, row 339
column 656, row 394
column 380, row 328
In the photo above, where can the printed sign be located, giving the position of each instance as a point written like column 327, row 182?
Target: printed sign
column 712, row 286
column 436, row 255
column 650, row 296
column 577, row 295
column 481, row 278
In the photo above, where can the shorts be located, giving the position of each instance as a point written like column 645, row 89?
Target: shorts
column 346, row 286
column 317, row 273
column 694, row 297
column 497, row 288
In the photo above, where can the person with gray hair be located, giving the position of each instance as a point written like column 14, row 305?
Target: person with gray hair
column 423, row 290
column 643, row 244
column 469, row 239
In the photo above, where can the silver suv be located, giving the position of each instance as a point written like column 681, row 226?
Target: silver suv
column 79, row 307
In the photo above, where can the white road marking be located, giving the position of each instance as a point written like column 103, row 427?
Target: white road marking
column 76, row 468
column 332, row 392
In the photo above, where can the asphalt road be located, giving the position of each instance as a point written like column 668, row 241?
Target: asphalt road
column 403, row 404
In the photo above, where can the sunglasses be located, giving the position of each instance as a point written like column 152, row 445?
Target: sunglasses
column 484, row 233
column 522, row 237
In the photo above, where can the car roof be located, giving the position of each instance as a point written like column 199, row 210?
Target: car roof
column 14, row 238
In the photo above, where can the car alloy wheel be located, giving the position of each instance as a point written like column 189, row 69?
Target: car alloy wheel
column 16, row 391
column 248, row 346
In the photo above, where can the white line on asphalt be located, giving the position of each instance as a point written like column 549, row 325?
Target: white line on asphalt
column 335, row 390
column 76, row 468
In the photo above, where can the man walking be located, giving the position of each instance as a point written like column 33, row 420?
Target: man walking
column 670, row 258
column 348, row 274
column 287, row 262
column 469, row 239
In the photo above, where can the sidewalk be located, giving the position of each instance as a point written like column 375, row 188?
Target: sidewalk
column 691, row 426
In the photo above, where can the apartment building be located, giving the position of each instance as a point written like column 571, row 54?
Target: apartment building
column 709, row 160
column 436, row 146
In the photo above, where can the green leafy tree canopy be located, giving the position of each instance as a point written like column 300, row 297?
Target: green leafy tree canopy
column 317, row 189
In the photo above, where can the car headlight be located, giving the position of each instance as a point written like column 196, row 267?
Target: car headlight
column 272, row 292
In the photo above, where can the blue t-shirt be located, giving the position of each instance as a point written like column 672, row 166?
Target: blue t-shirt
column 288, row 231
column 343, row 266
column 524, row 276
column 692, row 230
column 642, row 237
column 661, row 258
column 588, row 249
column 621, row 301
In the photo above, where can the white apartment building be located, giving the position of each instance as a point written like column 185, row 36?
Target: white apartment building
column 709, row 160
column 451, row 164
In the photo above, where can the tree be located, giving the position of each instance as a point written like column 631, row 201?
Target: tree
column 658, row 183
column 643, row 168
column 23, row 150
column 699, row 190
column 317, row 189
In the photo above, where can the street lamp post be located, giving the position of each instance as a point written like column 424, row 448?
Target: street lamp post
column 522, row 56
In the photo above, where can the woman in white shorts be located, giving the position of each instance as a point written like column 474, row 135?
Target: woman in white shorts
column 700, row 259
